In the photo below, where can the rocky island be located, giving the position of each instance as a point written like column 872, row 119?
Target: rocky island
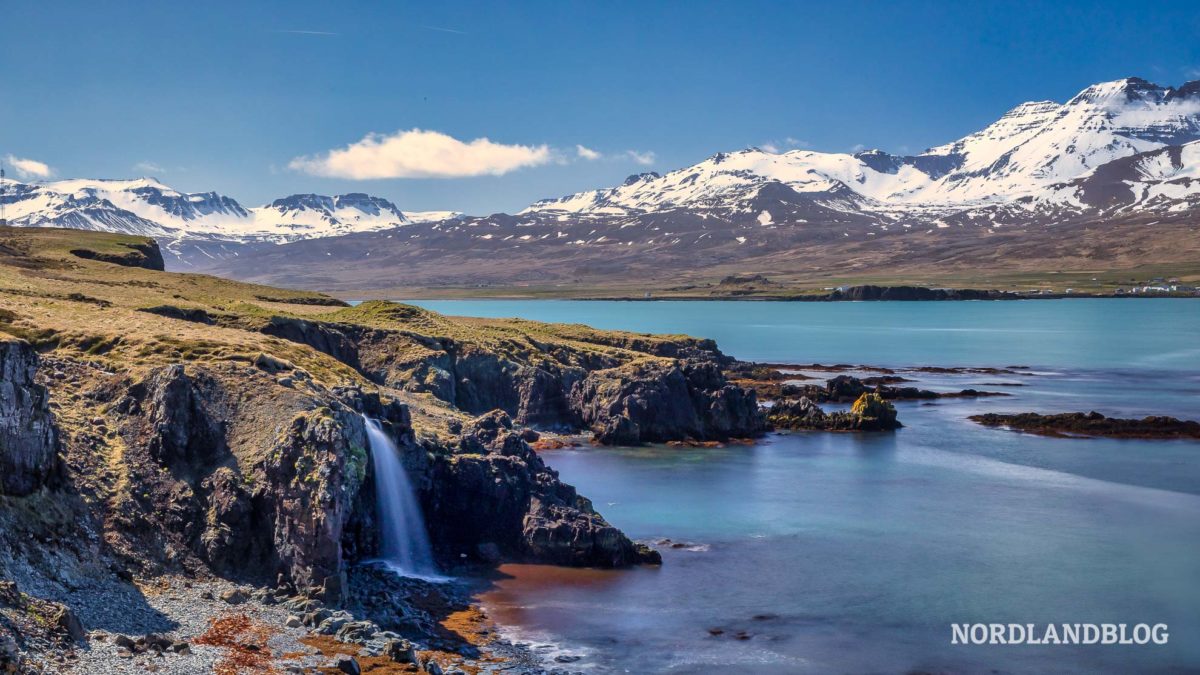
column 870, row 412
column 1093, row 424
column 187, row 474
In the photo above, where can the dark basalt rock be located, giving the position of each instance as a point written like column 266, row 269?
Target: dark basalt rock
column 496, row 494
column 282, row 510
column 869, row 413
column 28, row 439
column 230, row 470
column 799, row 414
column 146, row 255
column 323, row 337
column 658, row 401
column 908, row 293
column 318, row 300
column 566, row 389
column 192, row 314
column 847, row 388
column 256, row 470
column 1093, row 424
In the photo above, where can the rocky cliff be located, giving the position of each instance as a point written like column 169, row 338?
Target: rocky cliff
column 155, row 425
column 259, row 471
column 624, row 388
column 663, row 400
column 28, row 438
column 495, row 498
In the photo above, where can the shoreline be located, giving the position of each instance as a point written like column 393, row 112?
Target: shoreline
column 818, row 299
column 217, row 625
column 174, row 476
column 951, row 295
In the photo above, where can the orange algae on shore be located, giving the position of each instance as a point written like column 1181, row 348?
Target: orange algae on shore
column 244, row 642
column 469, row 626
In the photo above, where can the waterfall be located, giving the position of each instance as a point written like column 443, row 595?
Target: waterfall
column 403, row 541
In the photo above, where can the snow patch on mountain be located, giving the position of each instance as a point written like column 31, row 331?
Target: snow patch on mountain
column 1029, row 150
column 147, row 207
column 1116, row 147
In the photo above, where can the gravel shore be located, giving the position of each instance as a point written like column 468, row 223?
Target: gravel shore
column 182, row 626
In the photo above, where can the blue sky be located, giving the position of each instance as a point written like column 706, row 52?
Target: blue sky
column 249, row 100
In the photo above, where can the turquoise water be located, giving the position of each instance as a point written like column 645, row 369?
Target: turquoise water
column 853, row 553
column 1083, row 333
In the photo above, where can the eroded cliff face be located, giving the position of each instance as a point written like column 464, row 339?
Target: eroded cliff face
column 664, row 400
column 228, row 466
column 154, row 424
column 28, row 438
column 624, row 388
column 492, row 497
column 256, row 471
column 175, row 423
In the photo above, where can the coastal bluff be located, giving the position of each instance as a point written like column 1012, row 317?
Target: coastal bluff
column 158, row 425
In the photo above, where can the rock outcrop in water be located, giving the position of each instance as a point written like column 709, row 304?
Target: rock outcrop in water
column 494, row 497
column 1093, row 424
column 770, row 382
column 650, row 401
column 869, row 413
column 207, row 484
column 847, row 388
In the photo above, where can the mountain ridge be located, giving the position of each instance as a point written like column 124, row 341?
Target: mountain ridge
column 148, row 207
column 1031, row 147
column 1109, row 179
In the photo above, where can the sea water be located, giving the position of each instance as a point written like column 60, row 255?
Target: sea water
column 855, row 553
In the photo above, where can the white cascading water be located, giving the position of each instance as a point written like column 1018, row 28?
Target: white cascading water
column 403, row 541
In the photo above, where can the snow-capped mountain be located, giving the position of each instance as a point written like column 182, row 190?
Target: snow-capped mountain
column 1025, row 154
column 1163, row 180
column 147, row 207
column 1110, row 179
column 1118, row 158
column 320, row 216
column 142, row 206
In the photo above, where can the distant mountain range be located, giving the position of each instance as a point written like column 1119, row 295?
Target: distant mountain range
column 1039, row 156
column 182, row 220
column 1057, row 183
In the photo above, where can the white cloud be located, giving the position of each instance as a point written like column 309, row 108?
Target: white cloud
column 587, row 153
column 148, row 167
column 795, row 142
column 857, row 147
column 417, row 153
column 771, row 148
column 29, row 168
column 644, row 158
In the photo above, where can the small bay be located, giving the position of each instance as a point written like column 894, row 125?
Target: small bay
column 818, row 553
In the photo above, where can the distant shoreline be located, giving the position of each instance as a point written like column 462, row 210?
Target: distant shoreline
column 908, row 294
column 823, row 298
